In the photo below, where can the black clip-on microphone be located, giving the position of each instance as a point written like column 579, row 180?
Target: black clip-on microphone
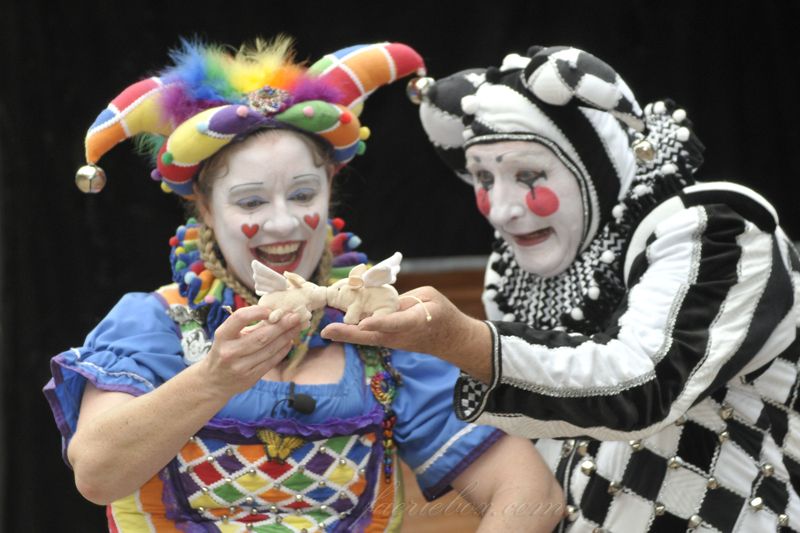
column 302, row 403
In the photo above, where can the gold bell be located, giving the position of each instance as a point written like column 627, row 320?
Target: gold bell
column 644, row 152
column 415, row 90
column 90, row 179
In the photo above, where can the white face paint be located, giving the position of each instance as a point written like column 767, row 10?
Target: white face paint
column 532, row 200
column 272, row 205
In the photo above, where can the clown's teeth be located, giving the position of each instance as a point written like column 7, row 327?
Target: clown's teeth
column 280, row 248
column 534, row 234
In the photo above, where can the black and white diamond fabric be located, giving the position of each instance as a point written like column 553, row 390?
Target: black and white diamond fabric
column 441, row 115
column 472, row 393
column 729, row 465
column 559, row 74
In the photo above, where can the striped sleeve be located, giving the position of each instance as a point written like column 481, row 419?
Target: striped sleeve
column 710, row 298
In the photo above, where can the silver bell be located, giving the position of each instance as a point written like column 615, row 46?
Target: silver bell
column 90, row 179
column 415, row 90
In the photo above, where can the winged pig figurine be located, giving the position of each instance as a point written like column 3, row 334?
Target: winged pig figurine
column 367, row 292
column 289, row 292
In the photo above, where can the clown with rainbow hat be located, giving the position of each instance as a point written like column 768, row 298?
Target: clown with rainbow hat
column 186, row 409
column 209, row 98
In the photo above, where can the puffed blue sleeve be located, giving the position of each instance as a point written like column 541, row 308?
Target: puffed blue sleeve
column 133, row 350
column 430, row 438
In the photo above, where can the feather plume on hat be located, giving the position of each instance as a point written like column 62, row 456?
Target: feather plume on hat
column 209, row 96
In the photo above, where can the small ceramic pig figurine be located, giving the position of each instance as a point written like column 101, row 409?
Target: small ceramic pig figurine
column 367, row 292
column 289, row 292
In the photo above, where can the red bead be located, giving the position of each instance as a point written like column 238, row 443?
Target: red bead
column 345, row 118
column 174, row 241
column 338, row 223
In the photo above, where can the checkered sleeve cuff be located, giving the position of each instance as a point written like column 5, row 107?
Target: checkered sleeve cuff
column 471, row 394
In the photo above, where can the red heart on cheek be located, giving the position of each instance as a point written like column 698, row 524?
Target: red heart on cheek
column 482, row 198
column 250, row 230
column 542, row 201
column 312, row 221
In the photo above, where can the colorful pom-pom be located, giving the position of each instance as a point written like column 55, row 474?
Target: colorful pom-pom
column 353, row 242
column 362, row 147
column 210, row 299
column 155, row 175
column 202, row 127
column 337, row 244
column 189, row 277
column 242, row 111
column 167, row 158
column 345, row 118
column 165, row 187
column 364, row 133
column 174, row 241
column 191, row 220
column 308, row 111
column 338, row 223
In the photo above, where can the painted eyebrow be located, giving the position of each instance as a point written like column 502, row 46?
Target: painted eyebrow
column 522, row 153
column 255, row 183
column 302, row 176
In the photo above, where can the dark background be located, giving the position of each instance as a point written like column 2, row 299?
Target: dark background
column 66, row 258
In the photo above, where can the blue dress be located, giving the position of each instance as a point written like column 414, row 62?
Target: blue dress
column 246, row 470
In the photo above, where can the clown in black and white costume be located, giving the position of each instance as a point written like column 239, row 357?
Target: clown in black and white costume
column 661, row 352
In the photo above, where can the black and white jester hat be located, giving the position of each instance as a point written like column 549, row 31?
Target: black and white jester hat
column 563, row 98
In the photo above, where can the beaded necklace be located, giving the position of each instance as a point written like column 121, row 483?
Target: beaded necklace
column 384, row 380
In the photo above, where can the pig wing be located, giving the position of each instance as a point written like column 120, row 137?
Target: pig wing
column 384, row 272
column 267, row 280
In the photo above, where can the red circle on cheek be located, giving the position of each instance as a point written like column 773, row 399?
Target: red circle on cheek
column 482, row 198
column 542, row 201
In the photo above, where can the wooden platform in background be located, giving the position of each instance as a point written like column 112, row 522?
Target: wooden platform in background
column 463, row 285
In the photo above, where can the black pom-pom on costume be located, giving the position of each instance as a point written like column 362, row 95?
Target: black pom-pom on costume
column 493, row 74
column 533, row 50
